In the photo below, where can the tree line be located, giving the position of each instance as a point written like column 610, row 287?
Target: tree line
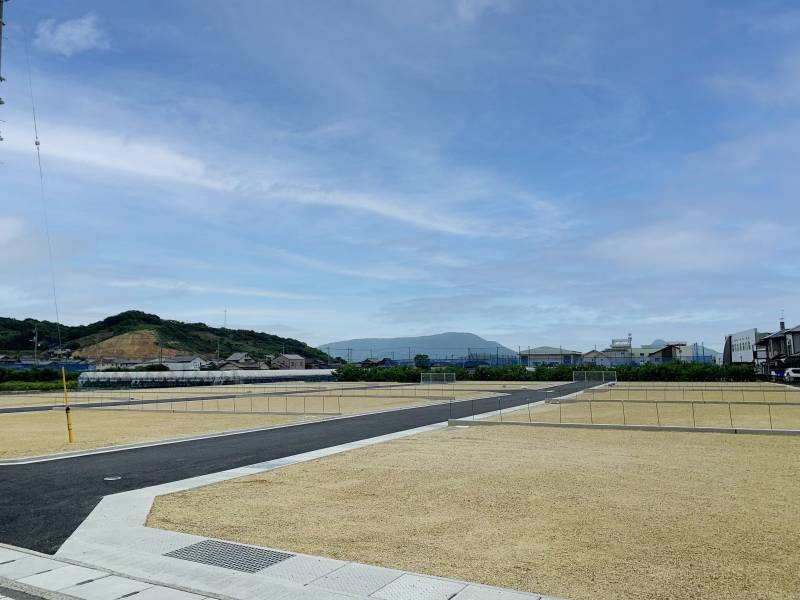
column 677, row 371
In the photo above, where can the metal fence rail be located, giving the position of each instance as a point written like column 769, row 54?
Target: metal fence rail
column 661, row 413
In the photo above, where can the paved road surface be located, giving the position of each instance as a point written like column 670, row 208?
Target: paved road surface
column 41, row 504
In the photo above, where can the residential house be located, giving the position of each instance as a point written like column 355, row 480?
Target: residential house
column 242, row 360
column 549, row 355
column 315, row 363
column 185, row 362
column 781, row 350
column 595, row 358
column 289, row 361
column 378, row 362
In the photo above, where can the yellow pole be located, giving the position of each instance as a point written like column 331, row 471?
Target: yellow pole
column 66, row 407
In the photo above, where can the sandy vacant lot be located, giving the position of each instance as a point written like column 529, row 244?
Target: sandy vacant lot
column 323, row 404
column 327, row 389
column 576, row 513
column 27, row 434
column 695, row 394
column 33, row 434
column 98, row 396
column 682, row 414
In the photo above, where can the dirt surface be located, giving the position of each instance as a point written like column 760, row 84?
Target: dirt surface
column 133, row 345
column 328, row 404
column 327, row 389
column 27, row 434
column 695, row 394
column 681, row 414
column 34, row 434
column 575, row 513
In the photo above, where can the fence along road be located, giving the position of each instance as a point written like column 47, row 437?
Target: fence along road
column 41, row 504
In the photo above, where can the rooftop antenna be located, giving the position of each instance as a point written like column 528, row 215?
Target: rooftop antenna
column 224, row 325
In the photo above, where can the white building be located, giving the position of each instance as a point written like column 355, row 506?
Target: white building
column 743, row 346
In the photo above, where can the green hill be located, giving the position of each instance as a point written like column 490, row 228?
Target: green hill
column 184, row 338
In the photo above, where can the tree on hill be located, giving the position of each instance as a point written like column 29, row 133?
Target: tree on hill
column 186, row 338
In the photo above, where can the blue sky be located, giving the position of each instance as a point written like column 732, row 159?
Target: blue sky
column 533, row 172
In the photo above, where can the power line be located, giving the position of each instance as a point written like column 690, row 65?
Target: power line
column 42, row 195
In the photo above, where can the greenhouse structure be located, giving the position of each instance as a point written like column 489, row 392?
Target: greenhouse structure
column 142, row 379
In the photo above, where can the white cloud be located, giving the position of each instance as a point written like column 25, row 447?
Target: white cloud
column 184, row 286
column 682, row 246
column 14, row 297
column 782, row 88
column 787, row 22
column 10, row 231
column 469, row 11
column 155, row 159
column 394, row 208
column 386, row 272
column 71, row 37
column 127, row 154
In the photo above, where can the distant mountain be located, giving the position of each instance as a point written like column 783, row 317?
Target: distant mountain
column 136, row 334
column 441, row 345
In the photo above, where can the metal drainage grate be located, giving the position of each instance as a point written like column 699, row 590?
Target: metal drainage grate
column 230, row 556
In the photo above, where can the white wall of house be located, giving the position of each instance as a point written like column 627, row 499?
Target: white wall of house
column 743, row 346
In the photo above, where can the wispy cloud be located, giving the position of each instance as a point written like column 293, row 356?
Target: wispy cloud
column 135, row 156
column 10, row 230
column 687, row 246
column 384, row 272
column 781, row 88
column 470, row 11
column 71, row 37
column 782, row 22
column 185, row 286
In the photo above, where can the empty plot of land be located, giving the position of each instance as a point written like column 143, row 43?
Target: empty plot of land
column 679, row 414
column 695, row 394
column 583, row 514
column 26, row 434
column 101, row 396
column 711, row 384
column 327, row 403
column 33, row 434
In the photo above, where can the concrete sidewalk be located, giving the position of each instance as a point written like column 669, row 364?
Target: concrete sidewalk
column 114, row 537
column 27, row 574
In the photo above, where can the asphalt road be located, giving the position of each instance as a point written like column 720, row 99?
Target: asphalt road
column 41, row 504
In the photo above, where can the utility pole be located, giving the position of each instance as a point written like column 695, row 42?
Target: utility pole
column 35, row 339
column 2, row 2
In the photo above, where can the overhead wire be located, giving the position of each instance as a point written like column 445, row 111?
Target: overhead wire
column 42, row 195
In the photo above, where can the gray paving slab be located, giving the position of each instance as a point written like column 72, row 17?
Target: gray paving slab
column 302, row 569
column 62, row 577
column 25, row 567
column 7, row 555
column 161, row 593
column 419, row 587
column 108, row 588
column 357, row 579
column 479, row 592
